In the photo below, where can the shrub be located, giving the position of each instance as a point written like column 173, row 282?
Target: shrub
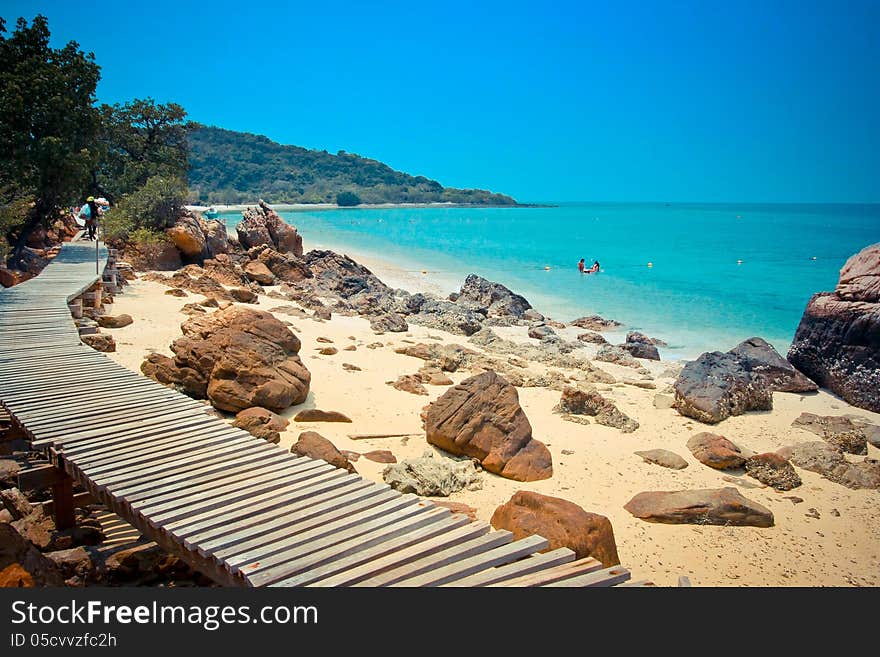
column 347, row 199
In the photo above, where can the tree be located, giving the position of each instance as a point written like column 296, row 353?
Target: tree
column 48, row 124
column 347, row 199
column 139, row 140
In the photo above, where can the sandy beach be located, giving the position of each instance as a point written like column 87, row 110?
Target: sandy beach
column 831, row 537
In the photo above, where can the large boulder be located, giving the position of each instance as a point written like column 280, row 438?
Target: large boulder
column 481, row 418
column 314, row 445
column 497, row 299
column 448, row 316
column 837, row 343
column 22, row 564
column 722, row 506
column 187, row 235
column 586, row 400
column 595, row 323
column 716, row 451
column 216, row 238
column 561, row 522
column 114, row 321
column 640, row 345
column 390, row 322
column 248, row 358
column 259, row 273
column 263, row 226
column 759, row 357
column 432, row 475
column 716, row 386
column 339, row 275
column 163, row 369
column 285, row 266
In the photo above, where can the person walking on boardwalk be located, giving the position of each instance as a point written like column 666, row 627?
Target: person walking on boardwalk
column 90, row 213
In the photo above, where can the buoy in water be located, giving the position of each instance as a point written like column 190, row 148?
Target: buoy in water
column 739, row 262
column 424, row 272
column 650, row 264
column 547, row 268
column 813, row 258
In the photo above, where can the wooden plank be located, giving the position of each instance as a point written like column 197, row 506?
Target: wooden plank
column 329, row 549
column 269, row 525
column 305, row 495
column 363, row 565
column 464, row 567
column 296, row 538
column 39, row 477
column 178, row 522
column 527, row 566
column 439, row 559
column 549, row 575
column 604, row 577
column 139, row 408
column 178, row 419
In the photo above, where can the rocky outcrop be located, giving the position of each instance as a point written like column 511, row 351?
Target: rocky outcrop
column 595, row 323
column 187, row 235
column 562, row 523
column 262, row 423
column 285, row 267
column 837, row 343
column 338, row 275
column 497, row 300
column 773, row 470
column 258, row 272
column 22, row 564
column 761, row 359
column 389, row 322
column 163, row 369
column 716, row 386
column 591, row 337
column 247, row 358
column 611, row 354
column 640, row 345
column 664, row 458
column 845, row 433
column 263, row 226
column 432, row 475
column 586, row 400
column 315, row 446
column 541, row 331
column 408, row 383
column 481, row 418
column 716, row 451
column 722, row 506
column 829, row 462
column 448, row 316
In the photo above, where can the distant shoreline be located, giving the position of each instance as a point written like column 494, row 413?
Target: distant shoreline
column 294, row 207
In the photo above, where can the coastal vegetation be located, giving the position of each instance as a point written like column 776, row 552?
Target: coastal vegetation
column 237, row 167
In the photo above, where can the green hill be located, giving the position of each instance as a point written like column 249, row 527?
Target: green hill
column 238, row 167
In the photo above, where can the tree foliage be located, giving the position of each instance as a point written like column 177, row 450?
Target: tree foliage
column 347, row 199
column 48, row 123
column 140, row 139
column 233, row 167
column 149, row 210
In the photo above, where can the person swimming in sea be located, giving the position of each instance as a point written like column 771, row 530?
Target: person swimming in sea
column 581, row 266
column 595, row 268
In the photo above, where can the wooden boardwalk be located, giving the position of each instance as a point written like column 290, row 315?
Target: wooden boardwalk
column 240, row 510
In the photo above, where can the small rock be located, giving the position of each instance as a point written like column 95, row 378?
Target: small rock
column 324, row 340
column 324, row 314
column 176, row 292
column 328, row 351
column 375, row 345
column 663, row 401
column 458, row 507
column 315, row 446
column 316, row 415
column 716, row 451
column 408, row 383
column 722, row 506
column 430, row 475
column 114, row 321
column 350, row 347
column 380, row 456
column 773, row 470
column 663, row 457
column 243, row 295
column 100, row 342
column 812, row 513
column 350, row 367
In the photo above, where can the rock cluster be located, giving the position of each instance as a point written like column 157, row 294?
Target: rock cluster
column 586, row 400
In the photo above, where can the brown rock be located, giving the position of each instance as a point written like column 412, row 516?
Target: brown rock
column 183, row 379
column 837, row 343
column 99, row 342
column 22, row 565
column 663, row 457
column 592, row 337
column 722, row 506
column 351, row 368
column 328, row 351
column 716, row 451
column 595, row 323
column 324, row 314
column 315, row 446
column 262, row 423
column 243, row 295
column 458, row 507
column 773, row 470
column 259, row 273
column 829, row 462
column 408, row 383
column 481, row 418
column 433, row 375
column 586, row 400
column 263, row 226
column 561, row 522
column 176, row 292
column 759, row 357
column 114, row 321
column 248, row 357
column 840, row 431
column 186, row 234
column 316, row 415
column 16, row 503
column 380, row 456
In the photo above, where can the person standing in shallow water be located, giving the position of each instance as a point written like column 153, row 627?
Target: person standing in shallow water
column 581, row 266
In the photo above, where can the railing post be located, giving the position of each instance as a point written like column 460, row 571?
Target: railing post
column 62, row 503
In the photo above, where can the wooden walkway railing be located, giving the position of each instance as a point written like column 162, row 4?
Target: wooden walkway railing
column 238, row 509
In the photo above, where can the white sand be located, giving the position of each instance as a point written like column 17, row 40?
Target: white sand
column 601, row 475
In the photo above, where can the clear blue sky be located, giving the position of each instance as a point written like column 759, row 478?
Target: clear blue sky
column 624, row 101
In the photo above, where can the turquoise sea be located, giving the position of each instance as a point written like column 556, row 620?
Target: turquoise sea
column 696, row 294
